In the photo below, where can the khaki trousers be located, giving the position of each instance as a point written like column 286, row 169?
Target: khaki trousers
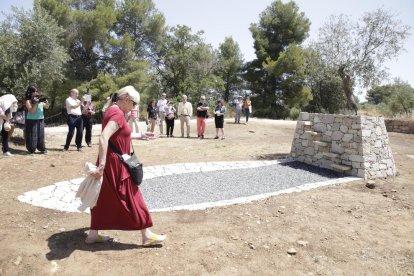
column 162, row 119
column 185, row 120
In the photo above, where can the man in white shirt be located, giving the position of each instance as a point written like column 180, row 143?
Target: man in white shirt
column 185, row 111
column 161, row 104
column 238, row 106
column 74, row 120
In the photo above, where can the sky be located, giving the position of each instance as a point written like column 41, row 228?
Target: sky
column 223, row 18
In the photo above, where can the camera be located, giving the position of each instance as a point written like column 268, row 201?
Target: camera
column 42, row 99
column 38, row 99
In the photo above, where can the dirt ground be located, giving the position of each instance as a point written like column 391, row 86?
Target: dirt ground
column 338, row 230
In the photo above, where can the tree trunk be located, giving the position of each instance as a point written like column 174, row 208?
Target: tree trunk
column 52, row 104
column 347, row 88
column 227, row 91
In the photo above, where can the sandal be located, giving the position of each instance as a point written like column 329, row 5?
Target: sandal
column 154, row 239
column 98, row 239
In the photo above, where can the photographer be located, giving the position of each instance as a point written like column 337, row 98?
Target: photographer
column 74, row 120
column 35, row 125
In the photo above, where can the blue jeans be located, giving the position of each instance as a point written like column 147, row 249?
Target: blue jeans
column 87, row 125
column 247, row 113
column 74, row 122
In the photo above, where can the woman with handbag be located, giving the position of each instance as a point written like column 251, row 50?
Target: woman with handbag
column 219, row 112
column 169, row 118
column 120, row 205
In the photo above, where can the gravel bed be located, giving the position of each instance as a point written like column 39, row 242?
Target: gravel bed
column 201, row 187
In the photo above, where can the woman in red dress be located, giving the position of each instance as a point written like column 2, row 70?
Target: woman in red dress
column 120, row 205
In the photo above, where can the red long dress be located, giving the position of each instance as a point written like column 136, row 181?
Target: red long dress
column 120, row 205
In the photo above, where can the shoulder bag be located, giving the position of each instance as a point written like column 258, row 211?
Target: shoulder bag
column 18, row 118
column 131, row 162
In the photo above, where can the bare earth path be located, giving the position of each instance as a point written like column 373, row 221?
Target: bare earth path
column 342, row 230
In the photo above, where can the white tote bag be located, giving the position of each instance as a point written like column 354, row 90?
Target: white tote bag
column 89, row 189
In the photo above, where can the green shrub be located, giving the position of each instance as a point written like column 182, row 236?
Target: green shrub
column 294, row 113
column 274, row 112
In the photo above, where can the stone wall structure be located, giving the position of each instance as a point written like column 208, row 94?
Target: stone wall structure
column 354, row 145
column 401, row 126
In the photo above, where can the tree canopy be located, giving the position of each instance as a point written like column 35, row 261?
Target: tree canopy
column 31, row 52
column 230, row 61
column 357, row 52
column 277, row 36
column 102, row 45
column 325, row 84
column 186, row 63
column 397, row 97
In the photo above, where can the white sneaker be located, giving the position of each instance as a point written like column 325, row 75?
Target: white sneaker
column 8, row 154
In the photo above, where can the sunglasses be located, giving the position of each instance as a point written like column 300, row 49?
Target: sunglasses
column 133, row 103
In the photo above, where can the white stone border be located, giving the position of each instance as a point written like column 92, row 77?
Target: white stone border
column 61, row 196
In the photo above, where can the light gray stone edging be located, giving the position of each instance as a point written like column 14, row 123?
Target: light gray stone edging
column 61, row 196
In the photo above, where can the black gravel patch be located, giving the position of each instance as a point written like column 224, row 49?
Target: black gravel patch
column 201, row 187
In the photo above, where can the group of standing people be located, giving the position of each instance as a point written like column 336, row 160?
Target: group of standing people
column 80, row 117
column 159, row 112
column 202, row 115
column 242, row 106
column 27, row 114
column 163, row 110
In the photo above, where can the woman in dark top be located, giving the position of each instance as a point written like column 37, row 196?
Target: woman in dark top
column 219, row 112
column 202, row 108
column 152, row 115
column 169, row 118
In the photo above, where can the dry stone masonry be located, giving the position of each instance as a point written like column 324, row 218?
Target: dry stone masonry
column 401, row 126
column 354, row 145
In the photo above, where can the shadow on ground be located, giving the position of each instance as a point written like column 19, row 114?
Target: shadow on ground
column 16, row 140
column 313, row 169
column 62, row 244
